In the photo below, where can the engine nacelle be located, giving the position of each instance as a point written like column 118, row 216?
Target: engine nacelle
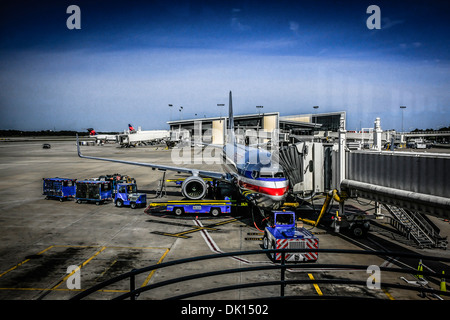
column 194, row 188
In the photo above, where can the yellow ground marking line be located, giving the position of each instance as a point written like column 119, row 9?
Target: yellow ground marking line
column 21, row 263
column 388, row 294
column 195, row 229
column 319, row 292
column 61, row 289
column 171, row 235
column 106, row 269
column 225, row 222
column 55, row 288
column 182, row 234
column 79, row 267
column 153, row 271
column 109, row 247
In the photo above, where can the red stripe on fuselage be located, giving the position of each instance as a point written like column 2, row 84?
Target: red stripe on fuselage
column 265, row 190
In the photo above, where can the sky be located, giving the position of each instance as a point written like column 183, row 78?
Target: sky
column 131, row 59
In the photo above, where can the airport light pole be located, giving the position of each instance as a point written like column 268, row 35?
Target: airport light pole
column 402, row 107
column 259, row 109
column 315, row 122
column 170, row 106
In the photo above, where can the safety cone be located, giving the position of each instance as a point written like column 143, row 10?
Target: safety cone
column 420, row 269
column 443, row 285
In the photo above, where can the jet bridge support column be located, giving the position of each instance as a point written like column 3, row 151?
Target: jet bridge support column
column 377, row 135
column 342, row 145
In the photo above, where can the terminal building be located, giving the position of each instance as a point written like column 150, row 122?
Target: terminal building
column 257, row 128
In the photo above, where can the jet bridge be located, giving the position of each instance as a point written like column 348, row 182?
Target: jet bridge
column 417, row 181
column 414, row 181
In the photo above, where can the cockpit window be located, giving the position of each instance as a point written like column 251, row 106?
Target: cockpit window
column 279, row 174
column 266, row 175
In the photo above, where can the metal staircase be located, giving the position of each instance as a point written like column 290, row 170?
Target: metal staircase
column 414, row 226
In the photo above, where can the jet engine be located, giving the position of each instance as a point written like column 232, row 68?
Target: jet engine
column 194, row 188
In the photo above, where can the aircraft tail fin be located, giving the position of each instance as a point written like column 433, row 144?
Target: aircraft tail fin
column 230, row 114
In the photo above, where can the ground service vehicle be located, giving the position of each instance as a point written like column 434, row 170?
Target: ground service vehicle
column 115, row 179
column 179, row 207
column 93, row 191
column 126, row 195
column 58, row 188
column 285, row 235
column 356, row 223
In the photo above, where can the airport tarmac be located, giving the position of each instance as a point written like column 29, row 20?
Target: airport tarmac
column 42, row 239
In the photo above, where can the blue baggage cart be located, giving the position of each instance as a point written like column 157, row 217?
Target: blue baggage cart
column 93, row 191
column 58, row 188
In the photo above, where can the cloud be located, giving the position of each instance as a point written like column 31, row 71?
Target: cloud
column 387, row 23
column 236, row 23
column 294, row 26
column 413, row 45
column 269, row 44
column 142, row 83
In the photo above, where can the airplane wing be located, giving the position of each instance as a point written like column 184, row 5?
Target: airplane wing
column 195, row 172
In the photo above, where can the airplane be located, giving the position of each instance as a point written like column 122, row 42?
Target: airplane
column 98, row 137
column 264, row 184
